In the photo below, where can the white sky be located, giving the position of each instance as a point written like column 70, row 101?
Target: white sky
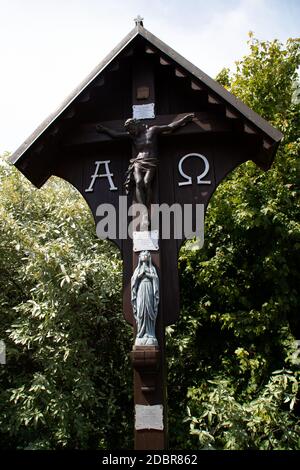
column 47, row 47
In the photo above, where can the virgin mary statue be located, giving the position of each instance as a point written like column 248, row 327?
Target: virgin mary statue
column 145, row 300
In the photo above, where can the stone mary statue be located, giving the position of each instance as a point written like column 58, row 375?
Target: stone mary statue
column 145, row 300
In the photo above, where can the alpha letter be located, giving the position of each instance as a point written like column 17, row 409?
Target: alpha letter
column 107, row 175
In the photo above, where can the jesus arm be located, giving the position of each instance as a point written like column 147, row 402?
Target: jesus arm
column 174, row 125
column 111, row 132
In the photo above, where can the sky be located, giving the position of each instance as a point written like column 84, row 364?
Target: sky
column 47, row 47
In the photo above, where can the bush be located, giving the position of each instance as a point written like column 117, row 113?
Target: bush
column 67, row 381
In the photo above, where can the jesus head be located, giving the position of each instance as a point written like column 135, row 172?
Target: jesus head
column 134, row 126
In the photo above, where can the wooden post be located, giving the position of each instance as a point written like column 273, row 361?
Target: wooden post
column 149, row 364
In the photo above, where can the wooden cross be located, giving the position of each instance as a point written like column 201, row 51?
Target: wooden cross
column 176, row 181
column 138, row 20
column 146, row 79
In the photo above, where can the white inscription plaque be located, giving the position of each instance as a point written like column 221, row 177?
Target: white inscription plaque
column 143, row 111
column 149, row 417
column 145, row 240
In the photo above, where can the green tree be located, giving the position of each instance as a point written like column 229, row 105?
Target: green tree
column 67, row 380
column 240, row 293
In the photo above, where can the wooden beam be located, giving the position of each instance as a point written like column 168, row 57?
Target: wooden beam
column 164, row 61
column 54, row 131
column 128, row 53
column 267, row 144
column 149, row 50
column 69, row 114
column 179, row 73
column 39, row 148
column 204, row 122
column 114, row 67
column 99, row 81
column 84, row 98
column 230, row 114
column 213, row 100
column 249, row 130
column 142, row 78
column 195, row 86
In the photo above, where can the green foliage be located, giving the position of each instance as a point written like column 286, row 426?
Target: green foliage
column 223, row 77
column 64, row 385
column 240, row 293
column 262, row 423
column 264, row 79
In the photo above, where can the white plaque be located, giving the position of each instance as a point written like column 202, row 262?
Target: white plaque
column 143, row 111
column 145, row 240
column 149, row 417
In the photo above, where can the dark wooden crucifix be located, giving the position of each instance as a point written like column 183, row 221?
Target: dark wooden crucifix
column 142, row 167
column 147, row 86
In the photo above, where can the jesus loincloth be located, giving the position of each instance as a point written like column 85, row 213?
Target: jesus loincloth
column 143, row 164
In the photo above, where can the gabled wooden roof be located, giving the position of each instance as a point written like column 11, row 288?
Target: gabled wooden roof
column 272, row 135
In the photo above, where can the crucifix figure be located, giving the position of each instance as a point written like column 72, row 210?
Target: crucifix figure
column 142, row 166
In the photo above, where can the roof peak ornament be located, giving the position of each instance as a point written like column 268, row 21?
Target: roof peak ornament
column 139, row 21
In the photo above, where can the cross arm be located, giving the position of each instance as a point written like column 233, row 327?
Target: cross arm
column 111, row 132
column 204, row 122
